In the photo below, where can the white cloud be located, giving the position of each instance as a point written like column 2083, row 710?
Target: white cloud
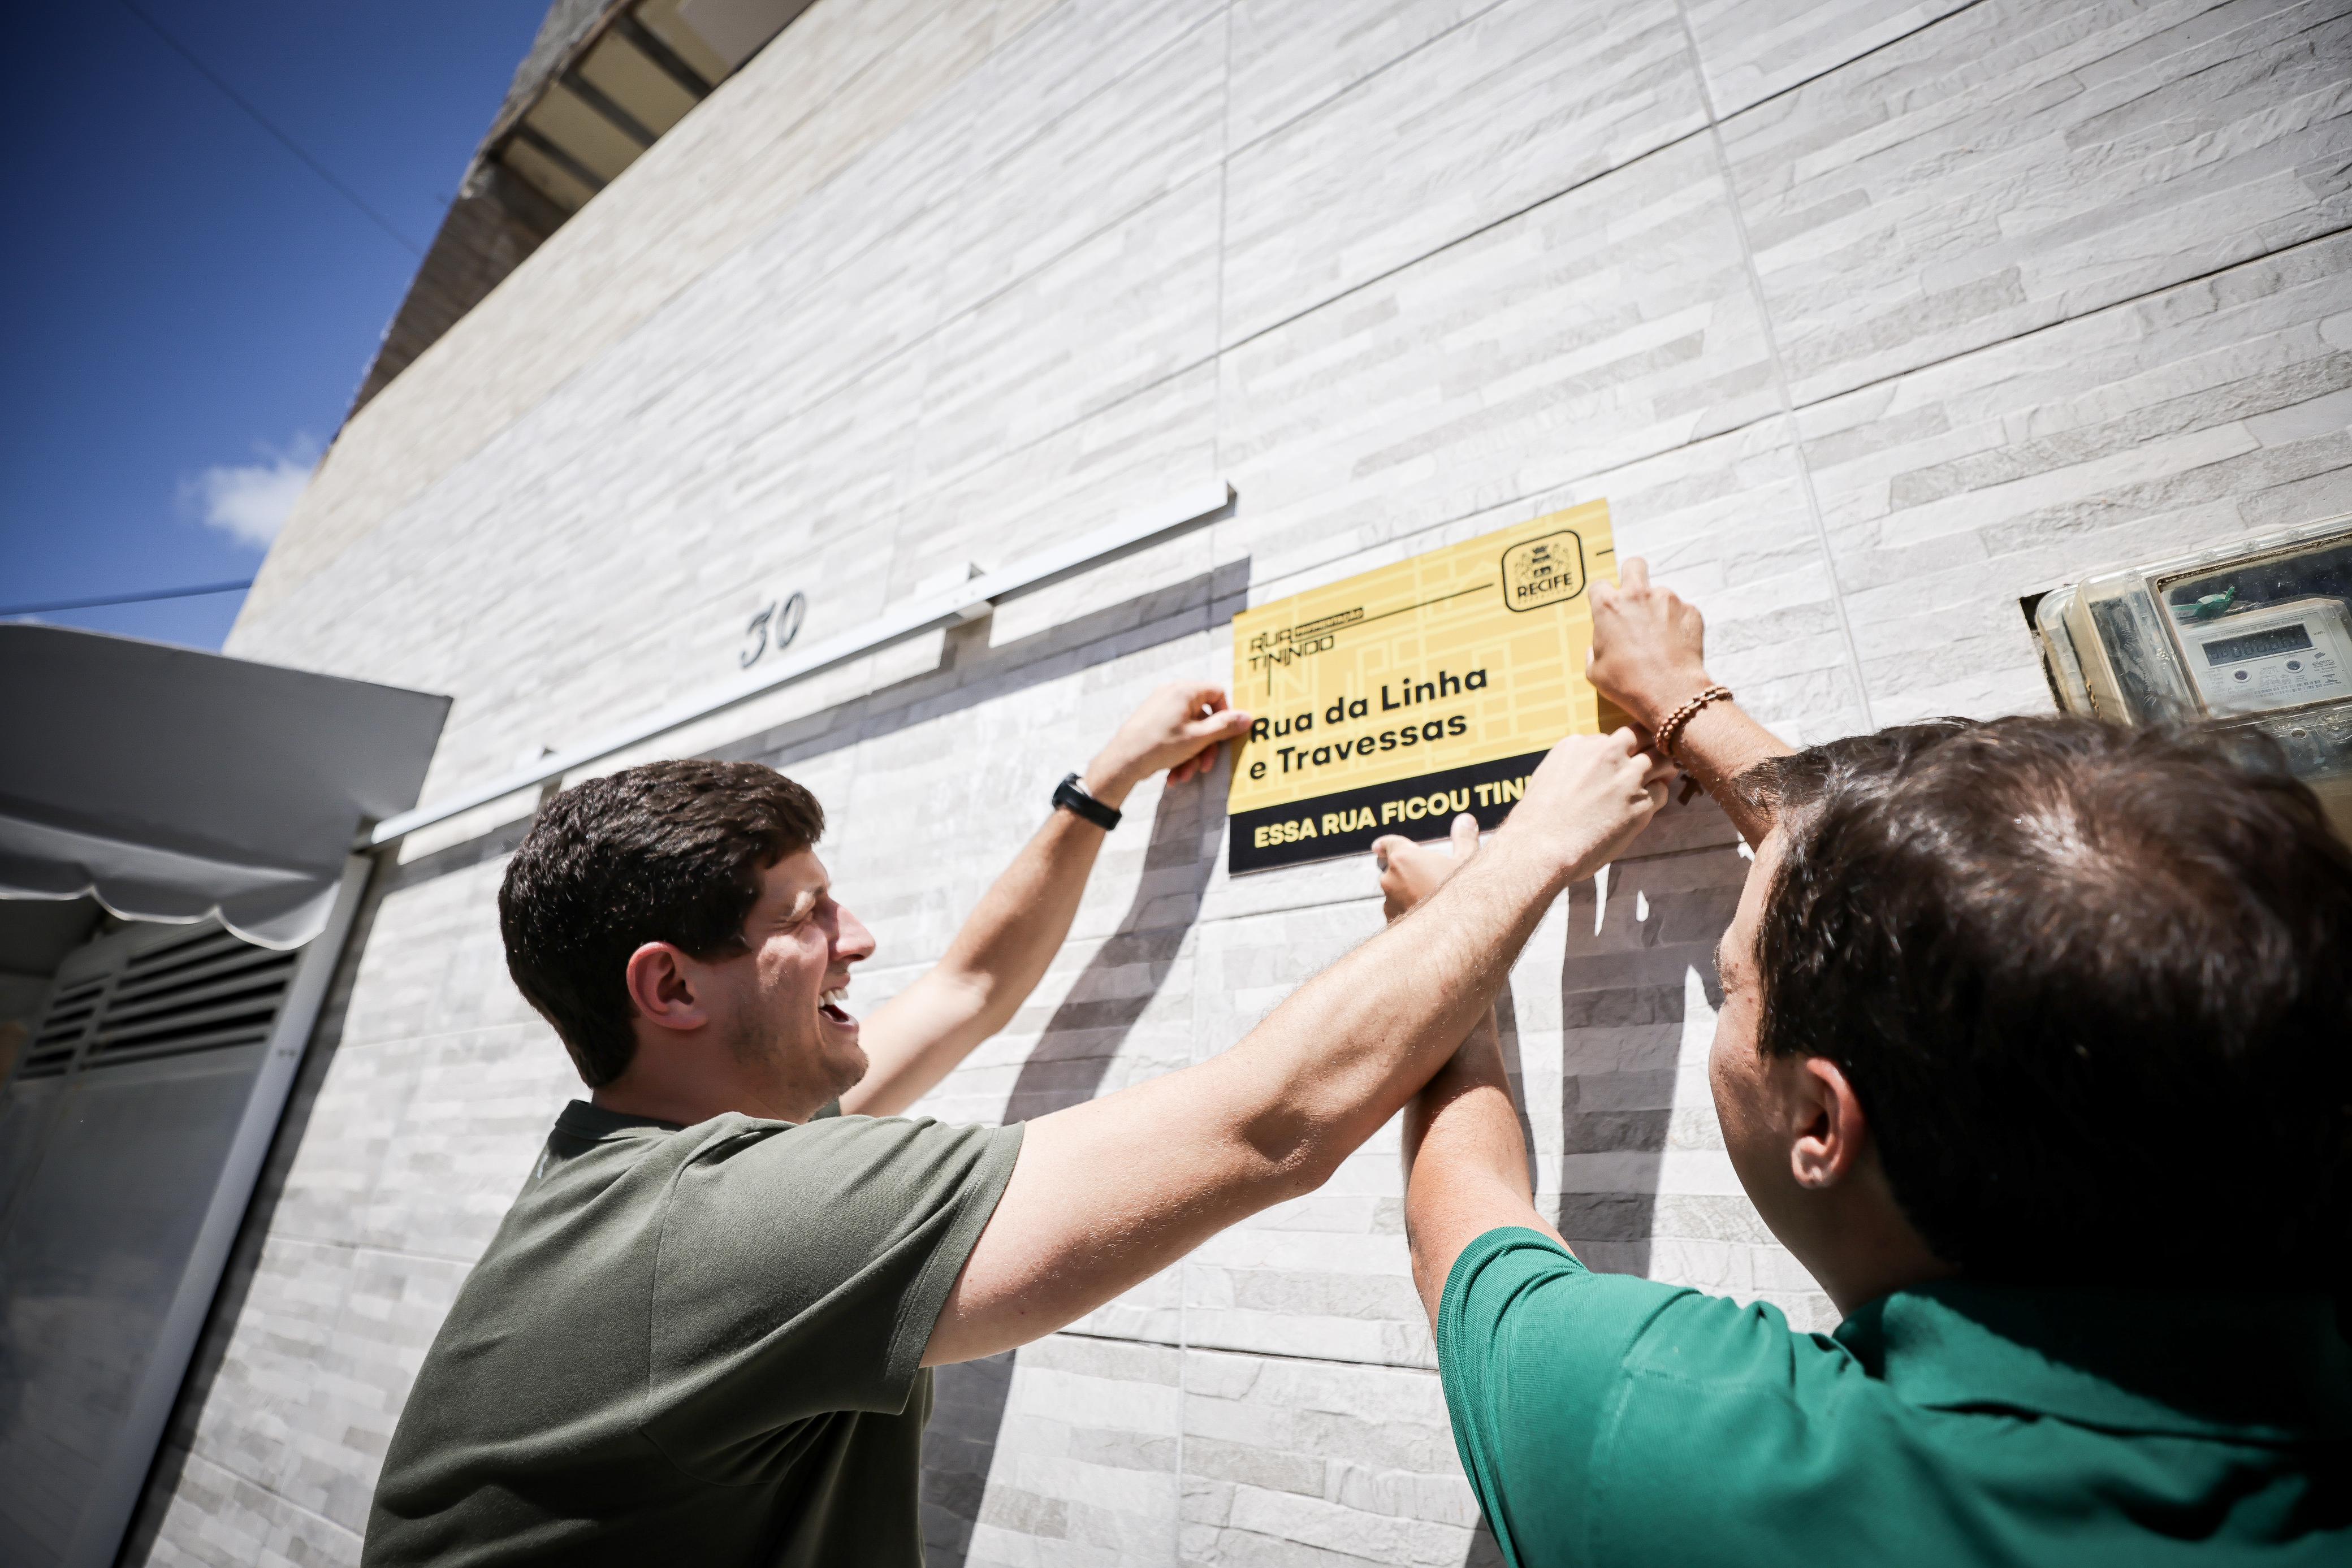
column 249, row 501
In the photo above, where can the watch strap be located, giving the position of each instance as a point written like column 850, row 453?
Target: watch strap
column 1071, row 796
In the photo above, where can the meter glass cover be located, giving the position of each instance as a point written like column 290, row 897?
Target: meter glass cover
column 2256, row 644
column 2247, row 633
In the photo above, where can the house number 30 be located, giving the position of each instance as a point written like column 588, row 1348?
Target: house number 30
column 773, row 627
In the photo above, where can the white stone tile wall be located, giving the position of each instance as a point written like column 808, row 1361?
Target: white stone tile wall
column 1865, row 316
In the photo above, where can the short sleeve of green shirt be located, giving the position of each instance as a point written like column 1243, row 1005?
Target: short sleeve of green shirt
column 801, row 1271
column 1514, row 1301
column 1607, row 1418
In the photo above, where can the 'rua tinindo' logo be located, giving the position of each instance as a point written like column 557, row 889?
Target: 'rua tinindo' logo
column 1540, row 571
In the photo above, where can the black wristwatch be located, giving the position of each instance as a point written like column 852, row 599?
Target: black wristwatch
column 1070, row 796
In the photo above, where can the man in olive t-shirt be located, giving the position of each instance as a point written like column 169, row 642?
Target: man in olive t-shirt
column 745, row 1305
column 701, row 1334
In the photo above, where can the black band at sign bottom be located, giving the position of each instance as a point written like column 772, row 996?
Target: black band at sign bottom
column 1346, row 822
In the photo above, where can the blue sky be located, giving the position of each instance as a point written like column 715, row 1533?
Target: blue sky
column 187, row 308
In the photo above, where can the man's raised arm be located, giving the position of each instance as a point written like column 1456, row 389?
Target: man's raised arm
column 1108, row 1192
column 1003, row 951
column 1649, row 649
column 1465, row 1161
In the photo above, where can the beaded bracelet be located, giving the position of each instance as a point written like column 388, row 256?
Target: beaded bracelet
column 1670, row 729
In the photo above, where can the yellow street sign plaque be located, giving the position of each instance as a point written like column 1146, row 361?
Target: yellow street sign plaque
column 1391, row 700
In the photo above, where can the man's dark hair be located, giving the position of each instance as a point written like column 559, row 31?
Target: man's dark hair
column 2089, row 984
column 671, row 852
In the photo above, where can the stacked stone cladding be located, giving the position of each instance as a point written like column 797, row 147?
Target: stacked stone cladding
column 1866, row 315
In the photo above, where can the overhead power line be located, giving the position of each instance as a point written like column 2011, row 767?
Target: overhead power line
column 264, row 121
column 196, row 593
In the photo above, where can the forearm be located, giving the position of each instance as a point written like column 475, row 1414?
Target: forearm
column 1718, row 745
column 989, row 970
column 1004, row 947
column 1346, row 1052
column 1465, row 1163
column 1011, row 937
column 1648, row 656
column 1108, row 1192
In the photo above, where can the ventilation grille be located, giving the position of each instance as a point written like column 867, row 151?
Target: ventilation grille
column 206, row 990
column 71, row 1013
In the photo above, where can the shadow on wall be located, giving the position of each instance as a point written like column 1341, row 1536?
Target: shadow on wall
column 1507, row 1031
column 1638, row 996
column 1068, row 1068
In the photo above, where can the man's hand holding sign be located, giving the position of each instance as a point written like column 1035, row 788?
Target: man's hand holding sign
column 1648, row 653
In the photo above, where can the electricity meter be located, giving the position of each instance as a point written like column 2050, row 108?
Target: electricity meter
column 2255, row 634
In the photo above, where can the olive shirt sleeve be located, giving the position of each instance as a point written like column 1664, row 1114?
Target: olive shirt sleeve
column 800, row 1270
column 1607, row 1419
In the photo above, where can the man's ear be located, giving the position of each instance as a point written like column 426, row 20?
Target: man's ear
column 662, row 985
column 1831, row 1131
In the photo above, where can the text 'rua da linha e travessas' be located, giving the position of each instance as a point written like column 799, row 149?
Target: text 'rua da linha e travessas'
column 1411, row 699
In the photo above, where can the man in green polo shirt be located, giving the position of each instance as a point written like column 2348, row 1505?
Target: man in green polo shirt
column 2036, row 1048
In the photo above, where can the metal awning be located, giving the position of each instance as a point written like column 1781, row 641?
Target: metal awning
column 173, row 784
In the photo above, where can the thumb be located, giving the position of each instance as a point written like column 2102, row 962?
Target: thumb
column 1218, row 725
column 1464, row 835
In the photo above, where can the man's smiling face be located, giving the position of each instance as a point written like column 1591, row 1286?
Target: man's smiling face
column 782, row 1007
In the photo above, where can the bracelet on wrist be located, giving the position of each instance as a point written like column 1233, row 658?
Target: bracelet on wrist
column 1670, row 728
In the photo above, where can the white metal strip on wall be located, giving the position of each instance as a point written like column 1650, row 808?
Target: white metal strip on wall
column 967, row 601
